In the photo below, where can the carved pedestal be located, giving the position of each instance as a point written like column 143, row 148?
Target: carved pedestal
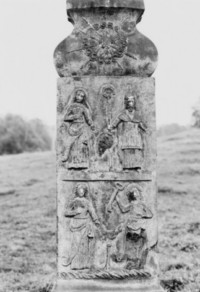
column 106, row 152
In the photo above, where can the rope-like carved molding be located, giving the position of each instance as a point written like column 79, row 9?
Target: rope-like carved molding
column 106, row 275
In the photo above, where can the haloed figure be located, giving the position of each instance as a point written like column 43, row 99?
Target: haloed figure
column 132, row 242
column 83, row 219
column 79, row 122
column 130, row 130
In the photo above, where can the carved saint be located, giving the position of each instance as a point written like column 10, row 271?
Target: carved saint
column 132, row 242
column 130, row 129
column 83, row 219
column 80, row 124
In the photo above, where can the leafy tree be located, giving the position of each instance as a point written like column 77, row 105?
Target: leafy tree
column 18, row 135
column 196, row 115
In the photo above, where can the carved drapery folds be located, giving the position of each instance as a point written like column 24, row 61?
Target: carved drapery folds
column 108, row 226
column 106, row 126
column 106, row 150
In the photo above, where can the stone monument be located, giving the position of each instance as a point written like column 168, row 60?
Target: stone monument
column 106, row 151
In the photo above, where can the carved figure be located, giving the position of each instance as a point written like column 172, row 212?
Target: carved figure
column 83, row 218
column 130, row 130
column 132, row 242
column 79, row 121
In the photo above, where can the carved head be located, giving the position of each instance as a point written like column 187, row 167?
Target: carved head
column 103, row 25
column 108, row 92
column 81, row 190
column 96, row 26
column 129, row 26
column 108, row 59
column 133, row 195
column 130, row 102
column 80, row 96
column 110, row 25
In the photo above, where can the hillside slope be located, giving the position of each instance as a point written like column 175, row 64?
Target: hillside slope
column 179, row 162
column 179, row 210
column 28, row 212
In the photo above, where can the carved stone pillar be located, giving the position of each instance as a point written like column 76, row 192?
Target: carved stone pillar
column 106, row 150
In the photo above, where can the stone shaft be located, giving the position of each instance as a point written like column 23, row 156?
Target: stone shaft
column 106, row 152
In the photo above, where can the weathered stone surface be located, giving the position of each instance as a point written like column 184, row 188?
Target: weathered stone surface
column 106, row 180
column 107, row 286
column 117, row 139
column 106, row 151
column 89, row 4
column 107, row 230
column 106, row 42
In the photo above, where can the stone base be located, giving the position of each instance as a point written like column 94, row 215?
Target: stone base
column 107, row 286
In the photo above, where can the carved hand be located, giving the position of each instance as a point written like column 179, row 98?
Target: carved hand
column 139, row 216
column 97, row 223
column 119, row 257
column 110, row 128
column 72, row 118
column 119, row 228
column 109, row 208
column 71, row 213
column 93, row 127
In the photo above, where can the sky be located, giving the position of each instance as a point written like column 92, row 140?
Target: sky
column 31, row 29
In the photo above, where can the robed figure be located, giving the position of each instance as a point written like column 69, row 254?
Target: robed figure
column 130, row 129
column 79, row 126
column 82, row 226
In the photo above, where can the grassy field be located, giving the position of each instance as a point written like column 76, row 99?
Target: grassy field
column 27, row 222
column 28, row 217
column 179, row 210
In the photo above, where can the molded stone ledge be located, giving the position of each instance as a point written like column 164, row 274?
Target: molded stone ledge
column 108, row 286
column 104, row 176
column 77, row 4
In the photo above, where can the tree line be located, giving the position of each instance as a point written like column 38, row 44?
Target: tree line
column 18, row 135
column 196, row 114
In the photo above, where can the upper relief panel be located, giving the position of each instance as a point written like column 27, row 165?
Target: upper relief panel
column 106, row 41
column 106, row 124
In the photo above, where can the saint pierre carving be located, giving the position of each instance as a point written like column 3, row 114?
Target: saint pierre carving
column 130, row 129
column 132, row 241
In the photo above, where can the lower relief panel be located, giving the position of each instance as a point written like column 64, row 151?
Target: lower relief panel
column 107, row 230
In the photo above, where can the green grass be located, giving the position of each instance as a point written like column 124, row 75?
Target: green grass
column 179, row 210
column 28, row 217
column 27, row 222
